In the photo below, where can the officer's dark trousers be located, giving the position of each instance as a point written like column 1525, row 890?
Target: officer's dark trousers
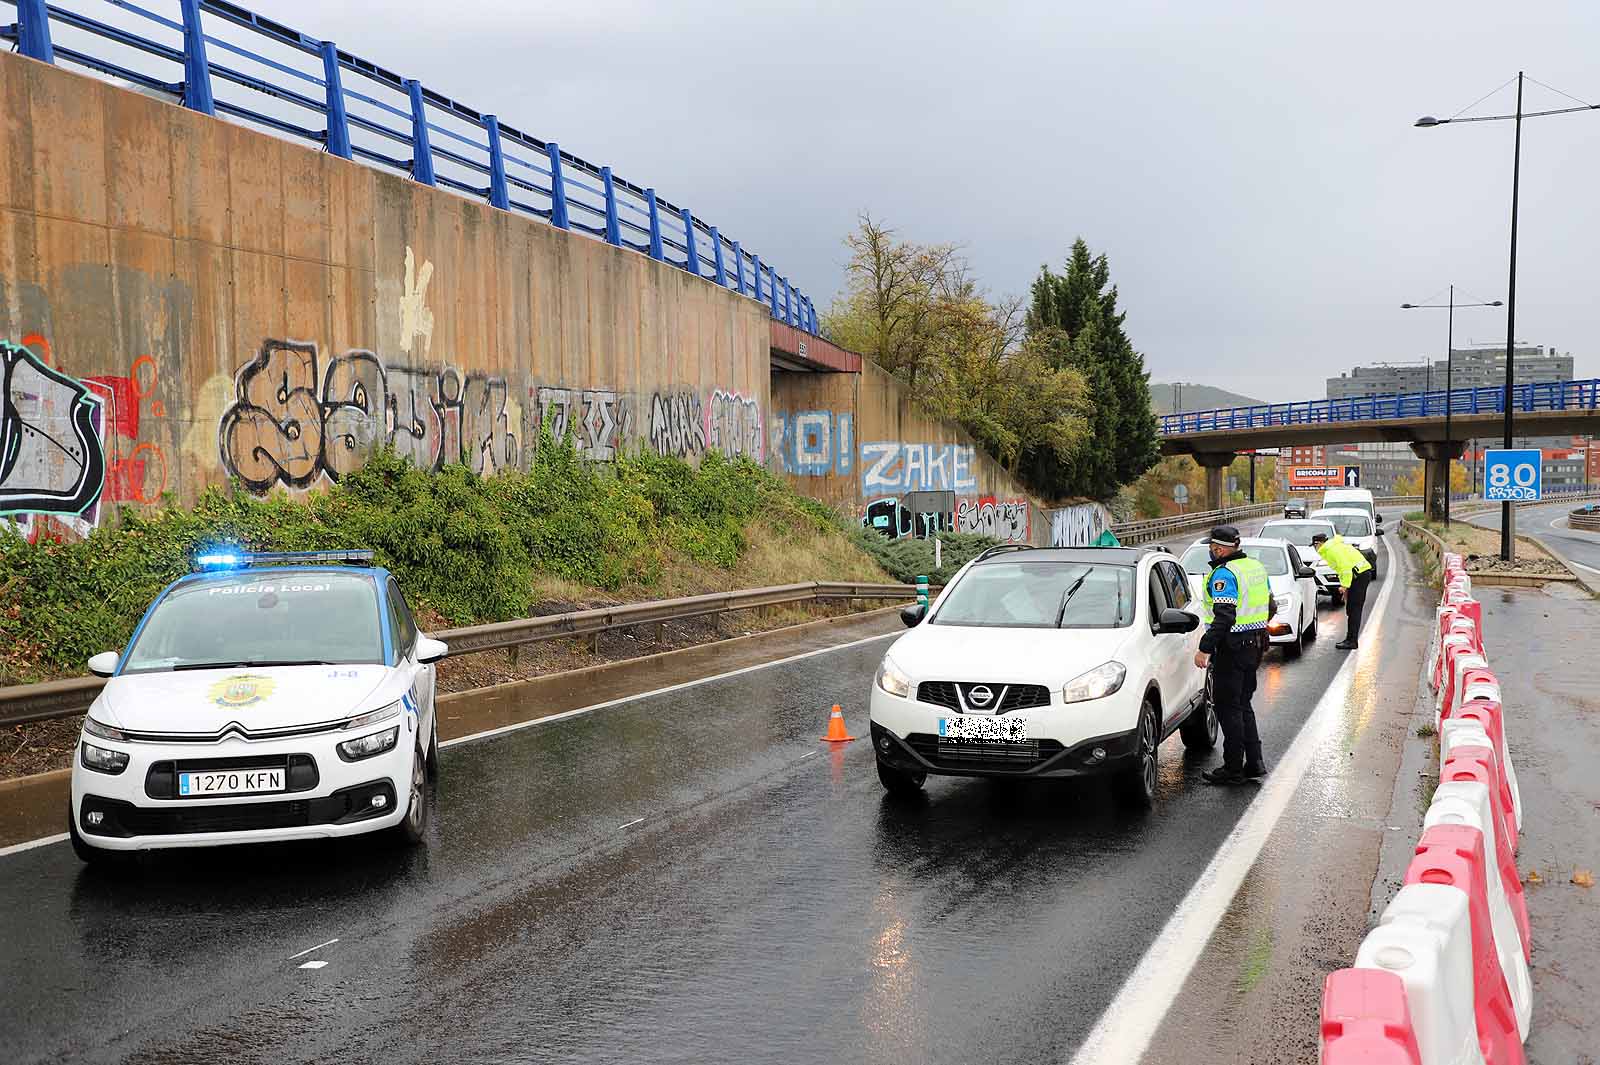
column 1233, row 683
column 1355, row 601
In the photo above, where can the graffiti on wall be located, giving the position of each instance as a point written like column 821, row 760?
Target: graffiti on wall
column 814, row 443
column 598, row 420
column 1077, row 526
column 1002, row 519
column 290, row 423
column 677, row 424
column 136, row 470
column 915, row 514
column 733, row 425
column 890, row 467
column 51, row 457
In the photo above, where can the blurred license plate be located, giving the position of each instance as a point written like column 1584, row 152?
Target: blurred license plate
column 1008, row 728
column 230, row 782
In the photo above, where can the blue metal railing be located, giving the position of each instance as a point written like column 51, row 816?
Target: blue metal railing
column 1539, row 395
column 308, row 89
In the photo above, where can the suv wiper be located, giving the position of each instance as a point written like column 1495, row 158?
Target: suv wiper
column 254, row 662
column 1066, row 597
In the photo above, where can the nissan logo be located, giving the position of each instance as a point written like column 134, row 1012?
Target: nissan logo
column 979, row 695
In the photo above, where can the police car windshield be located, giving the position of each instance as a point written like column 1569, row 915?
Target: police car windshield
column 1298, row 533
column 1275, row 560
column 1035, row 595
column 262, row 617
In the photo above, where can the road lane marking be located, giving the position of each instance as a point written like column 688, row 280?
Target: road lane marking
column 1124, row 1030
column 313, row 965
column 803, row 757
column 308, row 950
column 669, row 689
column 43, row 841
column 630, row 824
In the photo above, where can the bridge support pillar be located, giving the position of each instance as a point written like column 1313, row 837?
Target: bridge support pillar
column 1436, row 456
column 1214, row 462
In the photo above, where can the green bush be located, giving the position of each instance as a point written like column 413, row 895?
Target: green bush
column 469, row 547
column 907, row 559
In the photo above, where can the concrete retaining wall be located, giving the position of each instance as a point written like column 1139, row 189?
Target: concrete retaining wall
column 188, row 299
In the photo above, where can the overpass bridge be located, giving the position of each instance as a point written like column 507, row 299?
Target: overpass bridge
column 1436, row 424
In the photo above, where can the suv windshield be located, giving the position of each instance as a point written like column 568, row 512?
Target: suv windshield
column 1275, row 560
column 261, row 618
column 1350, row 524
column 1041, row 595
column 1298, row 533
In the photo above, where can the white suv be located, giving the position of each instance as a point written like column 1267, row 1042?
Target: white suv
column 1045, row 663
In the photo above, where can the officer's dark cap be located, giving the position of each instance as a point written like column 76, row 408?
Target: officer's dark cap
column 1225, row 535
column 1317, row 538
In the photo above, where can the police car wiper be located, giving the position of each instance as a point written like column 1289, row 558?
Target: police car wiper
column 1070, row 592
column 252, row 662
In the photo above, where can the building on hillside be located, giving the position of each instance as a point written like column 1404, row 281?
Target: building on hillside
column 1475, row 367
column 1382, row 465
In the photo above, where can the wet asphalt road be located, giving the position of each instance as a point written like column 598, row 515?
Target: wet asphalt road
column 689, row 877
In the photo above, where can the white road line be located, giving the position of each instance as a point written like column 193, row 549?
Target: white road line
column 803, row 757
column 43, row 841
column 503, row 729
column 308, row 950
column 313, row 965
column 1124, row 1030
column 630, row 824
column 1580, row 565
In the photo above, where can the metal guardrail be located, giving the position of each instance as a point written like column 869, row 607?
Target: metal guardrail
column 24, row 703
column 1587, row 520
column 1140, row 532
column 312, row 90
column 1533, row 396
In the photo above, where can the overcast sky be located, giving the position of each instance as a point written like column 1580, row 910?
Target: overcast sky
column 1250, row 168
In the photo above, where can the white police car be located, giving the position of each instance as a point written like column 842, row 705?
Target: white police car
column 264, row 697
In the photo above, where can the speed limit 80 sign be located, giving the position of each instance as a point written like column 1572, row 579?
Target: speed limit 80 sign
column 1512, row 475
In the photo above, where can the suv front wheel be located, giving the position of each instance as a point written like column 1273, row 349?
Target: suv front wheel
column 1135, row 785
column 900, row 781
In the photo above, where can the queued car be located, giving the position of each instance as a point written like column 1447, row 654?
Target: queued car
column 1294, row 508
column 1298, row 534
column 1294, row 588
column 1045, row 662
column 1352, row 499
column 261, row 698
column 1358, row 529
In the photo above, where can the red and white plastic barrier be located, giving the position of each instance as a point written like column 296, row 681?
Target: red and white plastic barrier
column 1443, row 979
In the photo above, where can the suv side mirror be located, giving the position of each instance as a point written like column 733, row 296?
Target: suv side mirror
column 104, row 664
column 1305, row 571
column 913, row 615
column 1173, row 620
column 429, row 650
column 1380, row 530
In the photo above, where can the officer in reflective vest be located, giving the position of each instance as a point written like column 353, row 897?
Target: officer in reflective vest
column 1355, row 576
column 1238, row 604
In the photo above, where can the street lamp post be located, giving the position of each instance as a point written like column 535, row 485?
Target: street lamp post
column 1449, row 379
column 1507, row 512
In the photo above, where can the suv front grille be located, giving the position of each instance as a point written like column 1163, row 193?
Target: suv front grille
column 956, row 754
column 949, row 694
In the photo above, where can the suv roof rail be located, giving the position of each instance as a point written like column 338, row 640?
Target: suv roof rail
column 1000, row 548
column 1160, row 549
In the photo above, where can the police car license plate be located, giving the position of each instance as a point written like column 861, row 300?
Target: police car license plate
column 230, row 782
column 1006, row 728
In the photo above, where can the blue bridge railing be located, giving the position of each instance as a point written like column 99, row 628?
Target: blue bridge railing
column 1550, row 395
column 221, row 59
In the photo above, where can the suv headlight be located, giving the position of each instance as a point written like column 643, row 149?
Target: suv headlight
column 1098, row 683
column 891, row 680
column 1282, row 601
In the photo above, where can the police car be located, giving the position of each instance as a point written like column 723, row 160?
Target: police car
column 264, row 697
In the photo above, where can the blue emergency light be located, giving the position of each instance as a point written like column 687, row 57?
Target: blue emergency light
column 215, row 560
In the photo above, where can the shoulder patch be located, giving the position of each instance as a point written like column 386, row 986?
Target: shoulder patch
column 1219, row 585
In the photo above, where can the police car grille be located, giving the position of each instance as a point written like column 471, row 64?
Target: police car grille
column 235, row 817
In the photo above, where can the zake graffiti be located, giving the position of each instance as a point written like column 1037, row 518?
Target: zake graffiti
column 892, row 466
column 51, row 458
column 288, row 424
column 1003, row 519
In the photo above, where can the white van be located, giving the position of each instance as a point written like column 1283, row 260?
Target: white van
column 1352, row 498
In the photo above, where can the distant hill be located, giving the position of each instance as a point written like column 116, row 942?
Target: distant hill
column 1195, row 397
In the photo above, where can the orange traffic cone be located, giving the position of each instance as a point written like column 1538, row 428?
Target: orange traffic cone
column 836, row 732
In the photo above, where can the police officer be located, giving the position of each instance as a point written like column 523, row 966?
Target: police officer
column 1355, row 575
column 1238, row 604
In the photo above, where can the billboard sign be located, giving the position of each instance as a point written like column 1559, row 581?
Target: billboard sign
column 1324, row 476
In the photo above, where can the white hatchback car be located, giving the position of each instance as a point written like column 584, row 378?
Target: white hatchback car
column 267, row 697
column 1045, row 663
column 1293, row 583
column 1358, row 529
column 1298, row 532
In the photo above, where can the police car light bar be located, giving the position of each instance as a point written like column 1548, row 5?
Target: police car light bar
column 220, row 560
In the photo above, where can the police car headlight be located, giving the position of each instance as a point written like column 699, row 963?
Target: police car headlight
column 101, row 760
column 891, row 680
column 1099, row 682
column 367, row 746
column 1282, row 601
column 383, row 713
column 104, row 731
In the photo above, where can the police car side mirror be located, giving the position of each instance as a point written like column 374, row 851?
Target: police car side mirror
column 104, row 664
column 431, row 650
column 1380, row 530
column 912, row 615
column 1173, row 620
